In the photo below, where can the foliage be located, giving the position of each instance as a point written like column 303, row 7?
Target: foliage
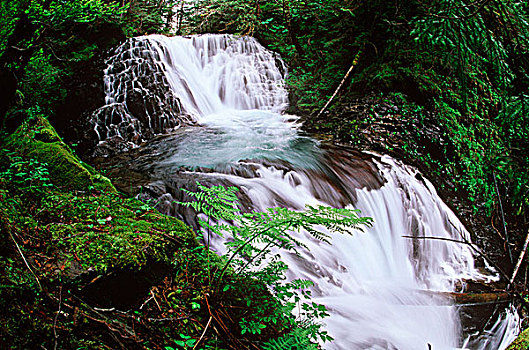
column 485, row 45
column 299, row 338
column 149, row 16
column 9, row 9
column 41, row 45
column 205, row 16
column 56, row 240
column 465, row 61
column 255, row 238
column 94, row 230
column 28, row 176
column 522, row 342
column 315, row 37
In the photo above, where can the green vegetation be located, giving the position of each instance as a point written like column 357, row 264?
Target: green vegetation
column 37, row 141
column 442, row 84
column 455, row 70
column 41, row 44
column 45, row 44
column 61, row 235
column 521, row 343
column 456, row 67
column 464, row 62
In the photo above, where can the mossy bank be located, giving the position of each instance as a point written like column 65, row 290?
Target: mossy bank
column 82, row 266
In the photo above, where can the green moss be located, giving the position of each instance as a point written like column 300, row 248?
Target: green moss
column 36, row 139
column 108, row 231
column 522, row 342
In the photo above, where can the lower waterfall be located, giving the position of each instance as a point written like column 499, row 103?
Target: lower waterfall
column 384, row 288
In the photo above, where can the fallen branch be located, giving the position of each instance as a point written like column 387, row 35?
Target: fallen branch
column 146, row 301
column 503, row 220
column 480, row 298
column 224, row 328
column 473, row 246
column 355, row 63
column 112, row 324
column 168, row 319
column 203, row 333
column 55, row 335
column 156, row 301
column 520, row 259
column 473, row 298
column 25, row 261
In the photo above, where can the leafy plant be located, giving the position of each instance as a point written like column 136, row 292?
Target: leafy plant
column 299, row 338
column 255, row 238
column 27, row 176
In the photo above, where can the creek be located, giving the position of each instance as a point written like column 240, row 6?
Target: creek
column 225, row 124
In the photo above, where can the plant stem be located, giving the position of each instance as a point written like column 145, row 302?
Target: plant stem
column 257, row 234
column 203, row 333
column 25, row 261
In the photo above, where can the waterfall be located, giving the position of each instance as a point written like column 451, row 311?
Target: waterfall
column 248, row 77
column 382, row 287
column 156, row 84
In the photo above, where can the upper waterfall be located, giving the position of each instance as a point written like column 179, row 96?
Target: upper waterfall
column 212, row 73
column 155, row 84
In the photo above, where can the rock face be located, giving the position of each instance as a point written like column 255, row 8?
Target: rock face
column 139, row 100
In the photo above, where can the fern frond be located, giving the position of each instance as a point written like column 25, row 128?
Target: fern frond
column 296, row 340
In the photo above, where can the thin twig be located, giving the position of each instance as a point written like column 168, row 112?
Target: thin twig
column 55, row 335
column 25, row 261
column 479, row 251
column 168, row 319
column 203, row 333
column 112, row 309
column 353, row 65
column 255, row 257
column 145, row 303
column 494, row 227
column 225, row 267
column 472, row 245
column 503, row 220
column 156, row 301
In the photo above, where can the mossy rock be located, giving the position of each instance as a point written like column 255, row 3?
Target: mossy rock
column 104, row 232
column 77, row 228
column 522, row 342
column 38, row 140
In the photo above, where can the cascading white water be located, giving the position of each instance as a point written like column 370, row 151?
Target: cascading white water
column 215, row 73
column 378, row 284
column 375, row 283
column 156, row 84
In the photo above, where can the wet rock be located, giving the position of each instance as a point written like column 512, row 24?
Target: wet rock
column 112, row 146
column 140, row 102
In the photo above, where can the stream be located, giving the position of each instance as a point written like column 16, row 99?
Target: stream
column 228, row 94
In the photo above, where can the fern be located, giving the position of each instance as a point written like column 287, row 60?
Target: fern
column 250, row 253
column 217, row 202
column 298, row 339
